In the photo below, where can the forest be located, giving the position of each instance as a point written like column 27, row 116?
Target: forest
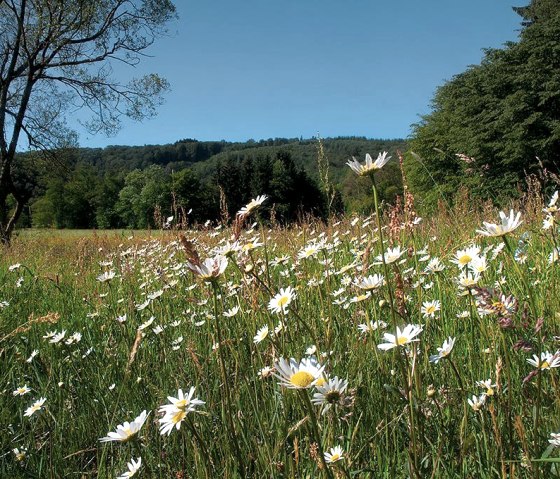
column 199, row 181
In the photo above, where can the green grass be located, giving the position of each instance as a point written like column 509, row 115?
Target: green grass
column 402, row 415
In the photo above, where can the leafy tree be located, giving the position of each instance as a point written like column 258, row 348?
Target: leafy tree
column 497, row 121
column 105, row 199
column 144, row 191
column 56, row 55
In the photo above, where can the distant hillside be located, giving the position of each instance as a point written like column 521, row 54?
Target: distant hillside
column 136, row 186
column 205, row 155
column 304, row 153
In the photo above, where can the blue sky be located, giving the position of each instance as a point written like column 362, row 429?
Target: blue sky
column 289, row 68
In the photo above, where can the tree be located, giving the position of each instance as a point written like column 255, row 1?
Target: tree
column 498, row 121
column 58, row 54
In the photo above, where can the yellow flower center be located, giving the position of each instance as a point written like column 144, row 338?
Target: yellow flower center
column 430, row 309
column 489, row 392
column 402, row 340
column 181, row 404
column 178, row 416
column 545, row 365
column 465, row 259
column 302, row 379
column 335, row 457
column 283, row 301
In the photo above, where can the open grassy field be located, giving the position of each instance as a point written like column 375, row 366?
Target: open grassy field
column 311, row 354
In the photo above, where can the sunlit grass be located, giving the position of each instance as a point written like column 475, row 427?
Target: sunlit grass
column 401, row 414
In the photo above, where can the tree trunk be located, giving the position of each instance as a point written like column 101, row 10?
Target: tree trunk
column 7, row 220
column 4, row 235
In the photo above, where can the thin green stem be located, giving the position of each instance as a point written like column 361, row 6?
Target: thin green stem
column 229, row 409
column 315, row 431
column 385, row 268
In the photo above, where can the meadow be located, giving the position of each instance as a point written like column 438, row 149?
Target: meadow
column 388, row 346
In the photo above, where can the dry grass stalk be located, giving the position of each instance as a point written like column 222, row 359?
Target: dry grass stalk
column 51, row 318
column 134, row 350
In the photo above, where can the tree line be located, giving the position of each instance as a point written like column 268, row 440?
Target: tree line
column 140, row 187
column 498, row 121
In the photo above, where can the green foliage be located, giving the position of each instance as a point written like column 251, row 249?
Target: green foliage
column 503, row 115
column 403, row 415
column 122, row 186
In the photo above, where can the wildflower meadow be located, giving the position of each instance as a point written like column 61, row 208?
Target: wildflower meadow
column 388, row 346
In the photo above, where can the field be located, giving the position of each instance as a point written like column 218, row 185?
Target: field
column 288, row 337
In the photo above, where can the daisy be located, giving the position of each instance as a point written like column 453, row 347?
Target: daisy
column 36, row 406
column 430, row 308
column 106, row 276
column 467, row 279
column 330, row 394
column 127, row 430
column 370, row 283
column 547, row 361
column 75, row 338
column 311, row 350
column 369, row 166
column 279, row 303
column 553, row 257
column 464, row 257
column 548, row 222
column 479, row 264
column 361, row 297
column 210, row 269
column 182, row 402
column 507, row 225
column 265, row 372
column 477, row 402
column 335, row 454
column 146, row 324
column 444, row 351
column 367, row 328
column 228, row 249
column 133, row 467
column 20, row 454
column 309, row 251
column 230, row 313
column 21, row 391
column 403, row 337
column 58, row 337
column 391, row 255
column 254, row 203
column 554, row 439
column 434, row 266
column 32, row 356
column 262, row 333
column 251, row 245
column 298, row 376
column 177, row 411
column 488, row 386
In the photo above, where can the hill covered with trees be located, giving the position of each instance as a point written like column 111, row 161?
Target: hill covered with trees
column 196, row 181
